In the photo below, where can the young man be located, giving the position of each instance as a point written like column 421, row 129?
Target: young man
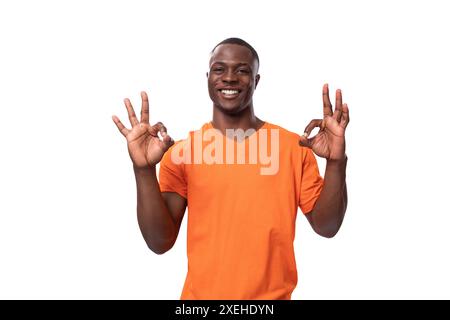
column 242, row 179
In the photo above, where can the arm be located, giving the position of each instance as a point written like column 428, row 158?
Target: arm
column 328, row 213
column 329, row 210
column 159, row 214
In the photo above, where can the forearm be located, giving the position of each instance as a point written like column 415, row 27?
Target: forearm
column 155, row 221
column 329, row 210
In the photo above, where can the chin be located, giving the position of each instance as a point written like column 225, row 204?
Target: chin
column 231, row 109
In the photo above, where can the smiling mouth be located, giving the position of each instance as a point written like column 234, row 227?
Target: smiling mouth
column 229, row 93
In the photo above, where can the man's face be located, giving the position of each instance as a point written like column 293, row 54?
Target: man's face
column 232, row 77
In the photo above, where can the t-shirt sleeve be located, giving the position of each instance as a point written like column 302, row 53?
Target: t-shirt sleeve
column 311, row 183
column 172, row 176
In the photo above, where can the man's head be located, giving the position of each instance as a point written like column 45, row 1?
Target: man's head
column 233, row 75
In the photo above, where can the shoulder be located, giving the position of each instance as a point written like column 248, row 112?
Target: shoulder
column 181, row 142
column 290, row 141
column 179, row 153
column 284, row 134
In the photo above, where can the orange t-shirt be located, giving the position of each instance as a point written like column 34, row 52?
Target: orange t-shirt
column 242, row 208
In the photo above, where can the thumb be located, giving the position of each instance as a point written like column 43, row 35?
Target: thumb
column 305, row 142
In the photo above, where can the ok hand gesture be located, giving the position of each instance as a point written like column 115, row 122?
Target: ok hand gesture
column 329, row 143
column 146, row 149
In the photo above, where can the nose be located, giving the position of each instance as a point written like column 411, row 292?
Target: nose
column 229, row 77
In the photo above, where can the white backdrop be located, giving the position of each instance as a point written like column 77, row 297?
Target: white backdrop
column 68, row 225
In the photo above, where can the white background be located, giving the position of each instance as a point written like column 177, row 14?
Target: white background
column 68, row 225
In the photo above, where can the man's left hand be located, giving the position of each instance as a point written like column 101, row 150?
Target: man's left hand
column 329, row 143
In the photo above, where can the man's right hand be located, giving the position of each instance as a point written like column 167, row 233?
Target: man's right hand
column 145, row 147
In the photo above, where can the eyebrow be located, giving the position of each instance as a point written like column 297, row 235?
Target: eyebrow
column 234, row 64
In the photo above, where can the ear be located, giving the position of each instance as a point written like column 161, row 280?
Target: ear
column 257, row 80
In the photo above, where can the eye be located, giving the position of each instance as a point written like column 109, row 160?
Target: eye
column 243, row 71
column 217, row 69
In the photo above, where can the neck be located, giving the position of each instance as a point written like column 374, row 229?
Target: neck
column 243, row 120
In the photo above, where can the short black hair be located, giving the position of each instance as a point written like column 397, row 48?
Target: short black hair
column 240, row 42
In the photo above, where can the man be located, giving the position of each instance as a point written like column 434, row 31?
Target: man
column 241, row 222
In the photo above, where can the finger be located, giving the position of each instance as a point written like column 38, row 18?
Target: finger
column 310, row 127
column 327, row 111
column 158, row 127
column 163, row 131
column 131, row 115
column 145, row 116
column 167, row 142
column 305, row 142
column 345, row 116
column 120, row 126
column 338, row 107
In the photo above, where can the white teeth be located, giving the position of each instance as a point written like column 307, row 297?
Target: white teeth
column 229, row 91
